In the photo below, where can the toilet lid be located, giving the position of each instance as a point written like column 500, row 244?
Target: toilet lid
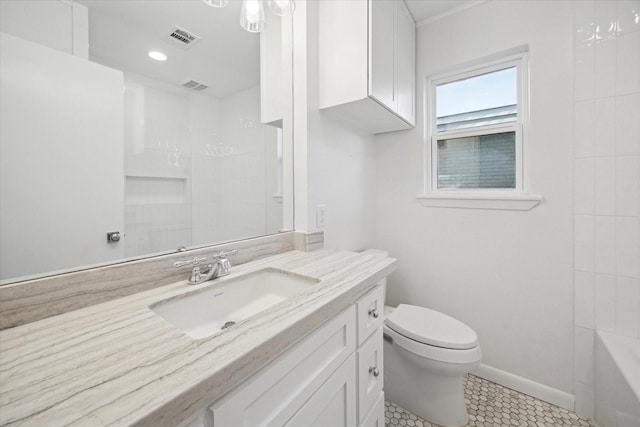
column 431, row 327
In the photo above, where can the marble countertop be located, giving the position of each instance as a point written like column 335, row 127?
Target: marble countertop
column 119, row 363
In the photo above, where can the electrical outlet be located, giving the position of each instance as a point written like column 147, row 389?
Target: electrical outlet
column 320, row 216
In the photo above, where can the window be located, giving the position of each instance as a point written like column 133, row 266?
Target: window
column 476, row 119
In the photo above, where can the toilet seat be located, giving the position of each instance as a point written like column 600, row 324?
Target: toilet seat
column 462, row 357
column 431, row 327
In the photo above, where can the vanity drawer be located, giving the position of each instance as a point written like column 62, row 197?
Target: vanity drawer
column 375, row 418
column 370, row 373
column 370, row 313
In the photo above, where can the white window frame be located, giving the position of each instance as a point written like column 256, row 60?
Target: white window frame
column 484, row 198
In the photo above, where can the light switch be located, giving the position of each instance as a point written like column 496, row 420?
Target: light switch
column 320, row 216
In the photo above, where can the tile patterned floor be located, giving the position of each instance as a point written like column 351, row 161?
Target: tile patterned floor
column 492, row 405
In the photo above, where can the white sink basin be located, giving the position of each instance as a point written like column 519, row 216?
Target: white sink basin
column 204, row 312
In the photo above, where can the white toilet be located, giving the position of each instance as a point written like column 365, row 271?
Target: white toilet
column 426, row 355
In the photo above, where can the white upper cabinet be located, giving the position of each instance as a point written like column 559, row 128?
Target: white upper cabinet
column 382, row 52
column 367, row 62
column 405, row 61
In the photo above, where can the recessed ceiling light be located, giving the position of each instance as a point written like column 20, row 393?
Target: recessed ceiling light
column 158, row 56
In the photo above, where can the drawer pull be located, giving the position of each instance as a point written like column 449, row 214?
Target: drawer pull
column 374, row 371
column 373, row 313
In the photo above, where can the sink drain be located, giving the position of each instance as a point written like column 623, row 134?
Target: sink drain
column 228, row 324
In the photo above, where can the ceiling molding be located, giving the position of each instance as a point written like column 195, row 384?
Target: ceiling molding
column 457, row 9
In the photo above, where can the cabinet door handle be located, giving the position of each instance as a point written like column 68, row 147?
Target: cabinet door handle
column 374, row 371
column 373, row 313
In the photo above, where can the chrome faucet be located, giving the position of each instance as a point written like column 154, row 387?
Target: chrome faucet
column 219, row 268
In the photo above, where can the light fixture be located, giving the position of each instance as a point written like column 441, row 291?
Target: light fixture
column 282, row 7
column 158, row 56
column 252, row 16
column 216, row 3
column 252, row 11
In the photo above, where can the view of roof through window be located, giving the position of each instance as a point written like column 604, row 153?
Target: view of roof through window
column 490, row 98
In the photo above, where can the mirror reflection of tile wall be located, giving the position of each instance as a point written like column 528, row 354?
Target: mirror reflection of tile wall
column 198, row 169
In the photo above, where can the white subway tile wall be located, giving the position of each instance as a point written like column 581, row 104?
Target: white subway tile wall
column 627, row 185
column 584, row 242
column 604, row 185
column 605, row 245
column 605, row 121
column 584, row 296
column 584, row 70
column 605, row 303
column 584, row 127
column 583, row 358
column 584, row 191
column 607, row 181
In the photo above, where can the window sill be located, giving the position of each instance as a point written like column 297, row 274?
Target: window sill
column 480, row 201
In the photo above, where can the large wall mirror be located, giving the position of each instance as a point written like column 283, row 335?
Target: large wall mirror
column 99, row 138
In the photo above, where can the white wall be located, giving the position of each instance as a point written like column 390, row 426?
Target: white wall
column 507, row 274
column 341, row 165
column 607, row 143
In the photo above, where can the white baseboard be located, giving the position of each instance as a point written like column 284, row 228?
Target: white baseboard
column 526, row 386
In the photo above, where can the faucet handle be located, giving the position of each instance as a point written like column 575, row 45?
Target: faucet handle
column 224, row 267
column 194, row 262
column 224, row 254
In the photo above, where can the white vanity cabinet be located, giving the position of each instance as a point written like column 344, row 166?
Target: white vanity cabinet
column 333, row 377
column 367, row 62
column 370, row 316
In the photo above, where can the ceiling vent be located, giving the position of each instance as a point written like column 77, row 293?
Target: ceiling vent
column 182, row 38
column 193, row 85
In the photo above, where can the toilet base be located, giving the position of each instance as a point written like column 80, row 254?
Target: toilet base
column 436, row 398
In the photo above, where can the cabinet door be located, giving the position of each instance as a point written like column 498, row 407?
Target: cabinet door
column 405, row 63
column 370, row 373
column 276, row 393
column 343, row 60
column 334, row 404
column 376, row 416
column 381, row 52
